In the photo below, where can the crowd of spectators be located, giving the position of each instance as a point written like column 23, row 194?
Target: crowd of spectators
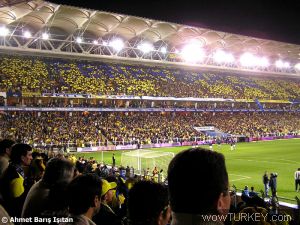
column 86, row 129
column 42, row 75
column 81, row 191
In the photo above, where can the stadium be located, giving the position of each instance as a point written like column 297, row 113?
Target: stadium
column 88, row 84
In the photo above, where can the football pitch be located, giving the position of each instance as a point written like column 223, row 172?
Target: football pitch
column 247, row 164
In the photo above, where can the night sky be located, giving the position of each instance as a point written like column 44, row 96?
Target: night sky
column 275, row 20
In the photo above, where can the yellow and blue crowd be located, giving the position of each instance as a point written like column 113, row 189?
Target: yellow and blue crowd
column 33, row 74
column 116, row 128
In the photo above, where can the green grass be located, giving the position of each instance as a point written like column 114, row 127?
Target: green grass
column 247, row 163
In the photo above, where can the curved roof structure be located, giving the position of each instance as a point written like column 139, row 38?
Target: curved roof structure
column 61, row 21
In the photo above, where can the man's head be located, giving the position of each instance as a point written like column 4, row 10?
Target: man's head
column 21, row 154
column 148, row 203
column 198, row 182
column 107, row 191
column 84, row 194
column 58, row 170
column 5, row 147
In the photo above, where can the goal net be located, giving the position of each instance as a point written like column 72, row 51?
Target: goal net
column 143, row 159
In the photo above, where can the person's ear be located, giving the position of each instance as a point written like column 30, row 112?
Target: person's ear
column 223, row 203
column 97, row 201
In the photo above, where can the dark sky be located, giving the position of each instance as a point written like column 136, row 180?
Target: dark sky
column 270, row 19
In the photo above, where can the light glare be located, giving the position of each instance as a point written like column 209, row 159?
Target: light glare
column 117, row 44
column 297, row 66
column 27, row 34
column 279, row 64
column 221, row 56
column 45, row 36
column 145, row 47
column 4, row 31
column 78, row 39
column 193, row 53
column 163, row 50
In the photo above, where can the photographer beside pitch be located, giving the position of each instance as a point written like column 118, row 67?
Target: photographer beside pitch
column 210, row 198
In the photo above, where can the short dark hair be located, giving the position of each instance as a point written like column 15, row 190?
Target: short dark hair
column 58, row 170
column 202, row 174
column 4, row 144
column 82, row 191
column 145, row 202
column 19, row 150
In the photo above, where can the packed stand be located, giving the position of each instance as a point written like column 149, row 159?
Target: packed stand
column 42, row 75
column 85, row 129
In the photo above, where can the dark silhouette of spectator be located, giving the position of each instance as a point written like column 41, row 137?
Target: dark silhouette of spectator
column 273, row 183
column 84, row 198
column 148, row 204
column 47, row 196
column 266, row 181
column 14, row 185
column 252, row 193
column 113, row 160
column 106, row 215
column 245, row 192
column 210, row 197
column 5, row 151
column 297, row 180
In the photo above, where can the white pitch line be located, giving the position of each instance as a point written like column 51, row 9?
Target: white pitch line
column 242, row 177
column 263, row 161
column 238, row 179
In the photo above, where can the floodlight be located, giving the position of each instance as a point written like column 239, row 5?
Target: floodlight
column 145, row 47
column 117, row 44
column 221, row 56
column 45, row 36
column 105, row 43
column 286, row 65
column 95, row 42
column 248, row 60
column 78, row 39
column 229, row 58
column 163, row 50
column 27, row 34
column 297, row 66
column 4, row 31
column 263, row 62
column 193, row 52
column 279, row 64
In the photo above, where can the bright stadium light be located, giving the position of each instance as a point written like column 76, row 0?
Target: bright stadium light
column 221, row 56
column 193, row 52
column 263, row 62
column 4, row 31
column 145, row 47
column 45, row 36
column 279, row 63
column 248, row 60
column 163, row 50
column 79, row 40
column 27, row 34
column 95, row 42
column 229, row 58
column 117, row 44
column 105, row 43
column 286, row 65
column 297, row 66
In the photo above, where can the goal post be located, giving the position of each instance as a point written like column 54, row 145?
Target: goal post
column 143, row 159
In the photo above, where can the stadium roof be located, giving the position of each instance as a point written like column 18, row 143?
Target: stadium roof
column 62, row 21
